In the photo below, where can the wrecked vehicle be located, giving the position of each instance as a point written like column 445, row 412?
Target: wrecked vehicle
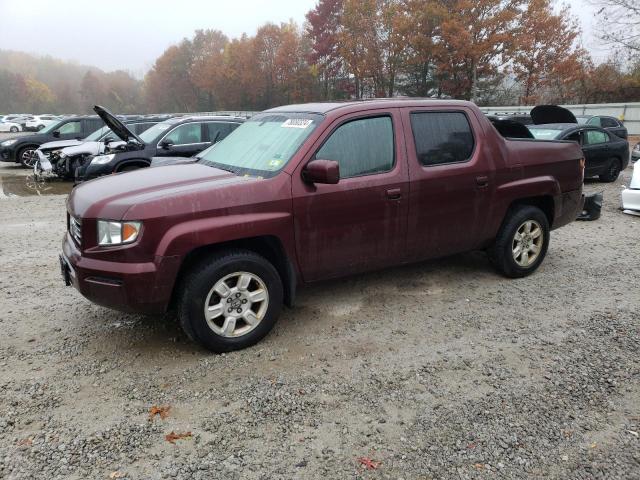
column 606, row 154
column 65, row 158
column 175, row 137
column 303, row 193
column 631, row 194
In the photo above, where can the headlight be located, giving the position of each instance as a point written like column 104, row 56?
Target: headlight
column 117, row 233
column 102, row 159
column 9, row 142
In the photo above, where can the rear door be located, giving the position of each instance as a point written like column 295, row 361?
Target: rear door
column 451, row 181
column 359, row 223
column 183, row 141
column 596, row 151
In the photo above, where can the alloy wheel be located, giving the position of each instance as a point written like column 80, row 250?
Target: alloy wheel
column 527, row 243
column 236, row 304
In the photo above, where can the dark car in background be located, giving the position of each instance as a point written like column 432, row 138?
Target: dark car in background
column 606, row 154
column 176, row 137
column 23, row 149
column 611, row 124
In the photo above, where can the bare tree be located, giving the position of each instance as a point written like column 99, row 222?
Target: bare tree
column 620, row 23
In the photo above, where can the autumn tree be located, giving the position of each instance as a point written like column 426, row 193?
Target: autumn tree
column 322, row 31
column 477, row 39
column 168, row 85
column 545, row 48
column 208, row 64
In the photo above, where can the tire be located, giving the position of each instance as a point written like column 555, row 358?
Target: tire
column 201, row 286
column 26, row 159
column 14, row 130
column 503, row 253
column 612, row 172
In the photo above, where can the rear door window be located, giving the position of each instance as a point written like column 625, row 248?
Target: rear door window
column 361, row 147
column 217, row 130
column 609, row 122
column 442, row 137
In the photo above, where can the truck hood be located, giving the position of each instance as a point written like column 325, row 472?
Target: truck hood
column 112, row 196
column 58, row 144
column 116, row 126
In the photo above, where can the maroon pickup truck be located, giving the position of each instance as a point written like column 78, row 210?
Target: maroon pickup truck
column 304, row 193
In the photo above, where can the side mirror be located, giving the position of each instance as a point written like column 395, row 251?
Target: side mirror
column 56, row 134
column 165, row 145
column 322, row 171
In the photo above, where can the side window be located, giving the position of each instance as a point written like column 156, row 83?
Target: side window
column 185, row 134
column 594, row 121
column 217, row 131
column 138, row 128
column 574, row 137
column 595, row 137
column 361, row 147
column 70, row 128
column 609, row 122
column 442, row 137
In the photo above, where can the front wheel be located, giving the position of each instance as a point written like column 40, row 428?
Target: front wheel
column 27, row 157
column 522, row 242
column 231, row 301
column 613, row 171
column 14, row 129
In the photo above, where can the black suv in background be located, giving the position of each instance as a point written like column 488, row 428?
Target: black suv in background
column 176, row 137
column 22, row 149
column 611, row 124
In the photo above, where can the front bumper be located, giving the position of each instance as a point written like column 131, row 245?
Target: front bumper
column 631, row 199
column 129, row 287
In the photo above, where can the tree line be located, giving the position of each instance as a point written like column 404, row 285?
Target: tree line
column 494, row 52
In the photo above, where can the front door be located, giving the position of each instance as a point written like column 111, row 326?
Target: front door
column 359, row 223
column 451, row 182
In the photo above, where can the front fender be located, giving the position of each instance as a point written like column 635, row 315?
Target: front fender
column 186, row 236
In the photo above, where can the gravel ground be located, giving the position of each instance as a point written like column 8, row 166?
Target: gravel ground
column 434, row 371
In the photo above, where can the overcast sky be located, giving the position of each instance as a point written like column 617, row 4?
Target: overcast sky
column 131, row 34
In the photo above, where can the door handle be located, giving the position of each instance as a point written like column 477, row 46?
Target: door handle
column 482, row 181
column 394, row 194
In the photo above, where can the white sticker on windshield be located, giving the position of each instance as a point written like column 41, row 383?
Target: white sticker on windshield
column 297, row 123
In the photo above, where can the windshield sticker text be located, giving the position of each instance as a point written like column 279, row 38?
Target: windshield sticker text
column 297, row 123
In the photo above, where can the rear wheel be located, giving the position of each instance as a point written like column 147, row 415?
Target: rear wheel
column 27, row 156
column 612, row 172
column 231, row 301
column 522, row 242
column 13, row 129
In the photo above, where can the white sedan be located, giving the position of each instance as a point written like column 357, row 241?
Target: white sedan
column 10, row 127
column 631, row 195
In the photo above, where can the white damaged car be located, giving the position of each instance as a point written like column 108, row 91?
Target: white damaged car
column 631, row 194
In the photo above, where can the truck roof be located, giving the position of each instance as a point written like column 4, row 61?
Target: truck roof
column 326, row 107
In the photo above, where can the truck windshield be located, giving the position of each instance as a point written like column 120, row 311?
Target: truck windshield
column 264, row 144
column 545, row 133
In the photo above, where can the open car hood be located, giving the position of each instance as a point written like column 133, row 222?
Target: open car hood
column 116, row 126
column 551, row 114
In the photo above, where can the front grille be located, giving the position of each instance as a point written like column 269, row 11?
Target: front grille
column 75, row 229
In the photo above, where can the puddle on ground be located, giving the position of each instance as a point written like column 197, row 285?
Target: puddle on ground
column 28, row 186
